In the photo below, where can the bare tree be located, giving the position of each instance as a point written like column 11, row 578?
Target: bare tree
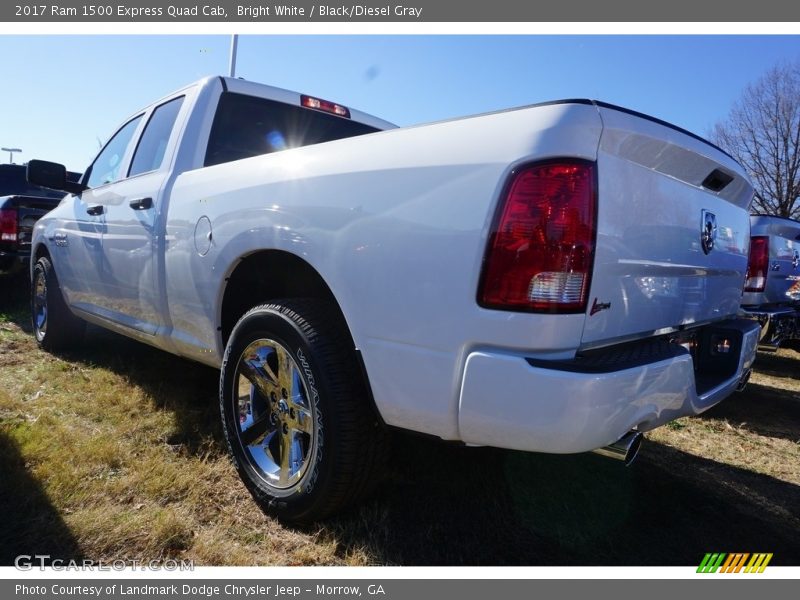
column 762, row 132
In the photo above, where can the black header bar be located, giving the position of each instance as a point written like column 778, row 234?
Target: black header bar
column 384, row 11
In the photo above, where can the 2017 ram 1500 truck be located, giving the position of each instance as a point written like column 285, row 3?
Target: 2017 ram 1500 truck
column 772, row 289
column 545, row 279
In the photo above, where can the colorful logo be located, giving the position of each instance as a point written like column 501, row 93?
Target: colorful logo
column 734, row 563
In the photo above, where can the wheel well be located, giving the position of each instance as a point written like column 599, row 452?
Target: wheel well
column 272, row 274
column 41, row 250
column 266, row 276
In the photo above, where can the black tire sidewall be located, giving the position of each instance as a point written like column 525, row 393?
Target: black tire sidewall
column 270, row 322
column 64, row 330
column 41, row 267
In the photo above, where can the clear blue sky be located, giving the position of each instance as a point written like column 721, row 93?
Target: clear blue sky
column 64, row 93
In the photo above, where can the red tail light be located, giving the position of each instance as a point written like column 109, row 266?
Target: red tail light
column 8, row 225
column 758, row 264
column 325, row 106
column 541, row 248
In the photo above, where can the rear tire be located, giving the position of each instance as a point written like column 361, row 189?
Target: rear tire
column 56, row 329
column 295, row 411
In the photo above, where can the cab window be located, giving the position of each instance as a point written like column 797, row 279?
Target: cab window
column 152, row 146
column 246, row 126
column 106, row 167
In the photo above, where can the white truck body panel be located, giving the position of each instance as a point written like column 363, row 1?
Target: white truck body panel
column 396, row 223
column 650, row 265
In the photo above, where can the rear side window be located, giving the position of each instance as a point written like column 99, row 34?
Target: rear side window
column 246, row 126
column 105, row 168
column 153, row 143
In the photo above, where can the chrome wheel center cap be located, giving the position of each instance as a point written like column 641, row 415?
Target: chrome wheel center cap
column 283, row 408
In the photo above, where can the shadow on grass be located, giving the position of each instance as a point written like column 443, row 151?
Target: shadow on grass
column 777, row 365
column 31, row 525
column 187, row 388
column 183, row 387
column 762, row 409
column 446, row 505
column 14, row 294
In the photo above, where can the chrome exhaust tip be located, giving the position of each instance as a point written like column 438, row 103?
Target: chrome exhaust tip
column 625, row 448
column 743, row 381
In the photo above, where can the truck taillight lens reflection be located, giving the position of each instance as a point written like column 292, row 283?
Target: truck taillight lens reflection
column 541, row 247
column 758, row 264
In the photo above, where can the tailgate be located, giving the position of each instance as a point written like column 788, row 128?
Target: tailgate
column 29, row 210
column 659, row 190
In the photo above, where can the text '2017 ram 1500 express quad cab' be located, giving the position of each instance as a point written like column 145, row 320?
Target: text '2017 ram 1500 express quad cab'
column 545, row 279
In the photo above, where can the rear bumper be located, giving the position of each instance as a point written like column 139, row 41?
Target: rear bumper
column 510, row 402
column 777, row 324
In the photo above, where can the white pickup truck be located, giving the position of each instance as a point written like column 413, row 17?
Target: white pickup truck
column 772, row 288
column 545, row 279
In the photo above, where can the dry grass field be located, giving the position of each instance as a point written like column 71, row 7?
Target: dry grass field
column 115, row 452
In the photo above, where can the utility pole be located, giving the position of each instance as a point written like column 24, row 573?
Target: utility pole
column 234, row 44
column 11, row 153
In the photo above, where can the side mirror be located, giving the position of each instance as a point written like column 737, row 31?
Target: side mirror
column 52, row 175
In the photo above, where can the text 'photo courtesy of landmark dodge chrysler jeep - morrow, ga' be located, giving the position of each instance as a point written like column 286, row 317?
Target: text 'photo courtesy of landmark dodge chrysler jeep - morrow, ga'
column 545, row 279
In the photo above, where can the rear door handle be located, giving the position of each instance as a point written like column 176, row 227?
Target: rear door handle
column 95, row 209
column 141, row 203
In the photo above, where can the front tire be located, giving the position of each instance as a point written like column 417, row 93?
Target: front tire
column 56, row 329
column 295, row 413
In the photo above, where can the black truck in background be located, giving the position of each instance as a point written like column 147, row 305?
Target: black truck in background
column 21, row 205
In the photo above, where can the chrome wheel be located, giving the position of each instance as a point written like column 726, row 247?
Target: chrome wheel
column 55, row 327
column 295, row 410
column 40, row 305
column 276, row 416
